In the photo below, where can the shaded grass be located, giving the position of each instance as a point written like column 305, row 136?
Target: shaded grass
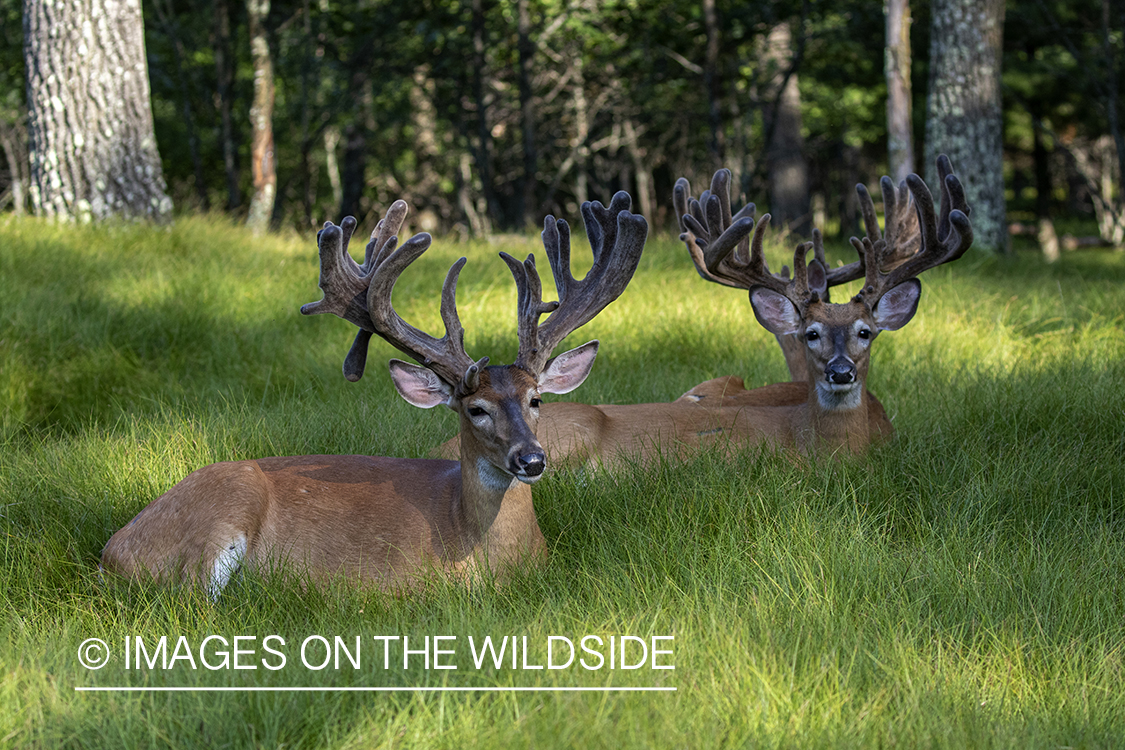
column 960, row 587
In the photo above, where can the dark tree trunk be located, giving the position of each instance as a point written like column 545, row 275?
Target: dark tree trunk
column 963, row 113
column 527, row 109
column 262, row 163
column 900, row 116
column 167, row 18
column 354, row 178
column 224, row 72
column 711, row 81
column 788, row 170
column 484, row 134
column 91, row 143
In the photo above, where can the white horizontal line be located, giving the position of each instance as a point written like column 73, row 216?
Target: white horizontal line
column 127, row 689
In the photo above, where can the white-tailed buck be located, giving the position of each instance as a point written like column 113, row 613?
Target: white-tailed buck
column 829, row 408
column 388, row 521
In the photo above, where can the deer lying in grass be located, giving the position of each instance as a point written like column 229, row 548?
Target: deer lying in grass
column 831, row 409
column 389, row 521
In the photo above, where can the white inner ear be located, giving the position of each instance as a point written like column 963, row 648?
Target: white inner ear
column 774, row 311
column 420, row 386
column 895, row 308
column 566, row 372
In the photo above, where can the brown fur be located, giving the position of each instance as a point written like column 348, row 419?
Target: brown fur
column 385, row 521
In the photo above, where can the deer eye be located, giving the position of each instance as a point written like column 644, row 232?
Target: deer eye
column 864, row 333
column 811, row 335
column 476, row 411
column 535, row 401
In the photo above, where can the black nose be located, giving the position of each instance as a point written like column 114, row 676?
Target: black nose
column 532, row 464
column 840, row 373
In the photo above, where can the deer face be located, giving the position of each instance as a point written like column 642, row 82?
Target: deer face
column 837, row 337
column 500, row 414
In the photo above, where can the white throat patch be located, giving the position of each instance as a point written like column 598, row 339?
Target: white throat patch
column 839, row 397
column 492, row 477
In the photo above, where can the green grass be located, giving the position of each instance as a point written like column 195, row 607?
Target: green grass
column 961, row 586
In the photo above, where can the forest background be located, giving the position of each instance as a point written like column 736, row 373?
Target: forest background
column 487, row 114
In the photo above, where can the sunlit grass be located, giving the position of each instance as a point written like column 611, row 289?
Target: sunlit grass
column 959, row 587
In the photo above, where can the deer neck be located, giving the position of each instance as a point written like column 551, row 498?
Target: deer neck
column 496, row 511
column 835, row 420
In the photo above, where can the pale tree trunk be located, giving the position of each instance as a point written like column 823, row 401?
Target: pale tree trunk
column 641, row 170
column 785, row 157
column 262, row 164
column 13, row 141
column 581, row 133
column 900, row 116
column 963, row 112
column 92, row 149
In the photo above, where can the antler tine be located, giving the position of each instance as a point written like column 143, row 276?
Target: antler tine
column 361, row 295
column 529, row 301
column 718, row 242
column 445, row 356
column 915, row 241
column 617, row 238
column 384, row 236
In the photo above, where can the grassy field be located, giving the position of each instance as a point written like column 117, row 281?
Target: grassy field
column 961, row 586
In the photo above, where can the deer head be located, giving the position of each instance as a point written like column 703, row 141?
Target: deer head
column 837, row 337
column 498, row 405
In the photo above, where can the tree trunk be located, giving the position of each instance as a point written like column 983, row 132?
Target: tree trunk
column 13, row 140
column 167, row 18
column 788, row 170
column 963, row 117
column 92, row 149
column 484, row 134
column 900, row 116
column 581, row 133
column 355, row 169
column 224, row 73
column 711, row 81
column 527, row 109
column 641, row 171
column 262, row 164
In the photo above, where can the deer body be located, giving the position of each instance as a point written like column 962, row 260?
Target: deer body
column 719, row 414
column 390, row 522
column 827, row 409
column 404, row 519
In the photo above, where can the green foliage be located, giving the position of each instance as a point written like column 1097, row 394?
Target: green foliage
column 958, row 587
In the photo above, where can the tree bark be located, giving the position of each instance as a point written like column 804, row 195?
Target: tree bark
column 527, row 111
column 788, row 170
column 13, row 141
column 224, row 73
column 963, row 117
column 92, row 149
column 484, row 134
column 262, row 163
column 167, row 19
column 711, row 81
column 900, row 116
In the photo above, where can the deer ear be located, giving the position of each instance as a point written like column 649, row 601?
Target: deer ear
column 774, row 311
column 420, row 386
column 818, row 278
column 898, row 305
column 566, row 372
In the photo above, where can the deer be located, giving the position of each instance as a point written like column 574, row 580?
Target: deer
column 391, row 522
column 827, row 409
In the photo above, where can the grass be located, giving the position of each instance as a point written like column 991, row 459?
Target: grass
column 959, row 587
